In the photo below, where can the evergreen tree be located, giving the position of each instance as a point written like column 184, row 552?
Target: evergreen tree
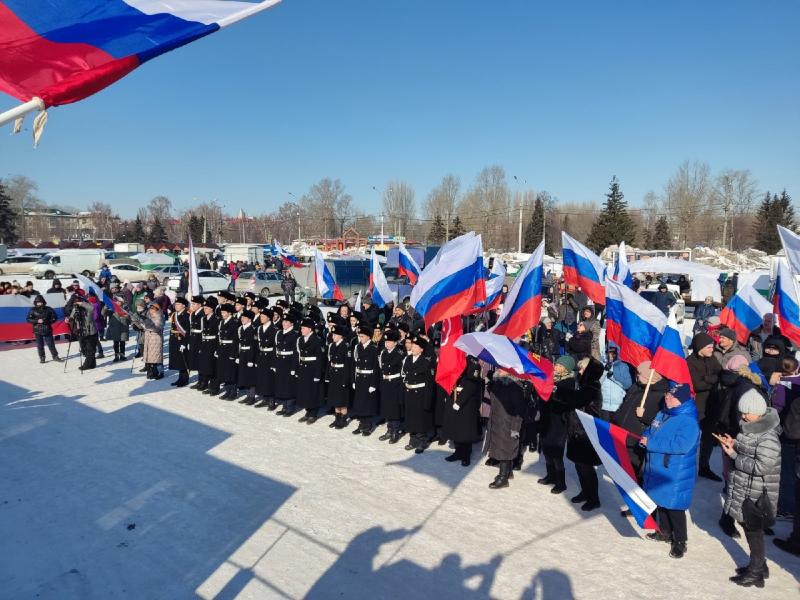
column 196, row 228
column 662, row 237
column 8, row 223
column 785, row 210
column 457, row 229
column 535, row 227
column 138, row 234
column 157, row 232
column 438, row 232
column 774, row 210
column 614, row 225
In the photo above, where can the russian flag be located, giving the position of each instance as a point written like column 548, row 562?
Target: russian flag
column 65, row 50
column 14, row 326
column 494, row 288
column 785, row 303
column 632, row 323
column 583, row 268
column 745, row 312
column 669, row 359
column 791, row 247
column 326, row 284
column 87, row 284
column 622, row 271
column 406, row 265
column 288, row 259
column 523, row 306
column 452, row 361
column 501, row 352
column 381, row 293
column 453, row 282
column 609, row 443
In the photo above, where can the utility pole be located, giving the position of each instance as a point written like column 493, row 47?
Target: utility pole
column 519, row 233
column 298, row 225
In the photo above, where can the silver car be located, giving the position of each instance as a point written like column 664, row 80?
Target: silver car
column 260, row 283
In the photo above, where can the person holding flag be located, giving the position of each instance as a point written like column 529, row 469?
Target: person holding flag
column 180, row 325
column 462, row 417
column 670, row 471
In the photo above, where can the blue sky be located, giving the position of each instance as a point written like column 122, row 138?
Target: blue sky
column 562, row 94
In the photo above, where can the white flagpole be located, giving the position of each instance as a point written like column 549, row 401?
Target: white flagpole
column 22, row 110
column 194, row 280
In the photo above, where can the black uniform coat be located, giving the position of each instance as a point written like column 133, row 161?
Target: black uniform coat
column 286, row 364
column 195, row 337
column 365, row 385
column 248, row 355
column 418, row 401
column 178, row 359
column 508, row 409
column 589, row 399
column 462, row 416
column 339, row 375
column 209, row 341
column 228, row 351
column 265, row 374
column 311, row 368
column 555, row 418
column 391, row 367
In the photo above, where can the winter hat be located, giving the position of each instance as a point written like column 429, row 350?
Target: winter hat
column 700, row 341
column 392, row 335
column 307, row 323
column 752, row 403
column 365, row 330
column 567, row 362
column 681, row 392
column 728, row 333
column 736, row 362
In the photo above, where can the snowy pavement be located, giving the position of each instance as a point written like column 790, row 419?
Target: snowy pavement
column 118, row 487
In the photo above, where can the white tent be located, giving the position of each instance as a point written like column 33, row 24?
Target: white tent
column 705, row 279
column 153, row 258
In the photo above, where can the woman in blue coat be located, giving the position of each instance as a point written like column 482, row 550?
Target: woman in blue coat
column 671, row 467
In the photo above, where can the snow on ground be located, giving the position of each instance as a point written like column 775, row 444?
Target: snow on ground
column 119, row 487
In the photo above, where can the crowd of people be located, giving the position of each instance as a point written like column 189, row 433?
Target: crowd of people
column 378, row 366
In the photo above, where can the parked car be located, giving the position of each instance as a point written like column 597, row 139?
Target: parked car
column 17, row 265
column 679, row 308
column 211, row 282
column 261, row 283
column 63, row 263
column 165, row 272
column 128, row 272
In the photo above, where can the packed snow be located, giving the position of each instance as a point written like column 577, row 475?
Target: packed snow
column 119, row 487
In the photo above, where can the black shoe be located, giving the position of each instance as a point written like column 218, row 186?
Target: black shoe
column 626, row 512
column 122, row 358
column 491, row 462
column 546, row 480
column 749, row 579
column 41, row 360
column 408, row 447
column 743, row 570
column 144, row 369
column 728, row 528
column 281, row 412
column 289, row 413
column 395, row 437
column 657, row 536
column 501, row 481
column 465, row 462
column 419, row 450
column 342, row 422
column 357, row 430
column 367, row 432
column 311, row 420
column 158, row 375
column 579, row 498
column 226, row 396
column 709, row 474
column 196, row 386
column 335, row 421
column 174, row 383
column 453, row 457
column 58, row 359
column 590, row 505
column 678, row 549
column 261, row 404
column 249, row 401
column 517, row 464
column 385, row 436
column 441, row 441
column 210, row 391
column 272, row 405
column 558, row 488
column 788, row 546
column 303, row 419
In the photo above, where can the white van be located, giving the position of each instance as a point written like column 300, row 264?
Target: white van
column 66, row 262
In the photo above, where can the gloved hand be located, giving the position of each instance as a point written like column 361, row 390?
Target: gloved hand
column 249, row 364
column 237, row 361
column 316, row 379
column 371, row 390
column 354, row 386
column 216, row 355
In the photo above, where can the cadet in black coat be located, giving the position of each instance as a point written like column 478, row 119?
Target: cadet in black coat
column 390, row 362
column 462, row 412
column 179, row 326
column 195, row 333
column 418, row 396
column 228, row 351
column 554, row 419
column 366, row 379
column 339, row 375
column 265, row 371
column 207, row 353
column 248, row 355
column 286, row 364
column 311, row 368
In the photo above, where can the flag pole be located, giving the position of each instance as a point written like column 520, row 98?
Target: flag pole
column 647, row 388
column 34, row 104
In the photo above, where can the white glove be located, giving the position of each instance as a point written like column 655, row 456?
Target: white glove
column 291, row 373
column 371, row 390
column 273, row 369
column 237, row 361
column 354, row 386
column 249, row 364
column 216, row 355
column 315, row 379
column 456, row 406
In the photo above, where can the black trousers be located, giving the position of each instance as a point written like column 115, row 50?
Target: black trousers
column 673, row 523
column 88, row 349
column 554, row 464
column 706, row 443
column 420, row 440
column 587, row 476
column 463, row 450
column 755, row 541
column 119, row 348
column 41, row 340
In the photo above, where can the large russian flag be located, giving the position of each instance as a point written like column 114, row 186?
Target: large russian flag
column 609, row 443
column 583, row 268
column 785, row 303
column 14, row 326
column 622, row 271
column 745, row 312
column 669, row 359
column 452, row 283
column 406, row 265
column 381, row 292
column 523, row 306
column 286, row 257
column 632, row 323
column 65, row 50
column 326, row 284
column 87, row 284
column 501, row 352
column 791, row 247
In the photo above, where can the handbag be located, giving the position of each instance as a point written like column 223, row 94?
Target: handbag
column 758, row 513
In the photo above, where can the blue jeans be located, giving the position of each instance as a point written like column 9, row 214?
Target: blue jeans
column 41, row 340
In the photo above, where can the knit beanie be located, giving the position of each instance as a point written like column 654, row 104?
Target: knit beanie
column 728, row 333
column 567, row 362
column 681, row 392
column 752, row 403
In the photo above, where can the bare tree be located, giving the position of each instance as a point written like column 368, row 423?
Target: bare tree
column 399, row 205
column 734, row 192
column 328, row 207
column 103, row 220
column 690, row 204
column 486, row 208
column 442, row 201
column 160, row 208
column 23, row 193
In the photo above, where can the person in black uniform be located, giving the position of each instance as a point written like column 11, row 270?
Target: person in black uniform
column 311, row 368
column 286, row 364
column 239, row 304
column 365, row 382
column 248, row 355
column 195, row 334
column 418, row 396
column 462, row 413
column 339, row 375
column 228, row 351
column 179, row 326
column 390, row 362
column 207, row 353
column 265, row 373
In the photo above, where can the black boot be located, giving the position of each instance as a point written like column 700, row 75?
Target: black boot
column 751, row 577
column 560, row 482
column 395, row 437
column 678, row 549
column 157, row 374
column 501, row 481
column 41, row 359
column 149, row 370
column 183, row 379
column 272, row 405
column 249, row 400
column 728, row 526
column 549, row 478
column 465, row 454
column 386, row 435
column 453, row 457
column 742, row 570
column 517, row 464
column 341, row 421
